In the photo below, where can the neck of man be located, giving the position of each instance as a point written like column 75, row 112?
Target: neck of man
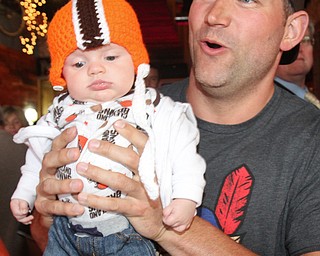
column 231, row 109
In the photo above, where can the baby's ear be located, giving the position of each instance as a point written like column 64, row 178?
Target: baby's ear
column 296, row 26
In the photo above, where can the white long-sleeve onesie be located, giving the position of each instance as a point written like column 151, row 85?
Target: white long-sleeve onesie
column 178, row 167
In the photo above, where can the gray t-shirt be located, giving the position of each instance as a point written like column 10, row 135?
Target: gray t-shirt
column 263, row 176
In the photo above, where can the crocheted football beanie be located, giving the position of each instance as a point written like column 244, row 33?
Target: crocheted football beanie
column 87, row 24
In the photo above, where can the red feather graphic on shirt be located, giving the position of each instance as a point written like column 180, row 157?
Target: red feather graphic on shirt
column 233, row 200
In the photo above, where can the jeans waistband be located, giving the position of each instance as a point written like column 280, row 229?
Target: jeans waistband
column 102, row 228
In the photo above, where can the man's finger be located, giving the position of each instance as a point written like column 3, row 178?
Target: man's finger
column 64, row 138
column 54, row 159
column 59, row 155
column 127, row 206
column 114, row 180
column 125, row 156
column 136, row 137
column 59, row 208
column 53, row 186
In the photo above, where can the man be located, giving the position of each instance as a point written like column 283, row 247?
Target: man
column 263, row 186
column 292, row 76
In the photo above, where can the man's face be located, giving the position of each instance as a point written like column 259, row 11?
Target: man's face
column 234, row 44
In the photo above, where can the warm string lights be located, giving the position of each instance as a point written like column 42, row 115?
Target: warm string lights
column 36, row 24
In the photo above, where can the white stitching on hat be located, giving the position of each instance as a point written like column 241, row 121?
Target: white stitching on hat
column 76, row 25
column 105, row 32
column 103, row 25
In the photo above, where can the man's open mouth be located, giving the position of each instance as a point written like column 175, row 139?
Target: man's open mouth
column 213, row 45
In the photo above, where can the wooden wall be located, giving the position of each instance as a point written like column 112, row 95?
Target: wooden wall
column 18, row 81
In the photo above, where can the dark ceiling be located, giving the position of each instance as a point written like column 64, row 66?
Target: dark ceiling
column 52, row 6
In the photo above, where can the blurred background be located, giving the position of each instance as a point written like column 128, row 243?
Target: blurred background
column 24, row 59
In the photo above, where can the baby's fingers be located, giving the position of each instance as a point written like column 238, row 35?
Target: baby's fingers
column 27, row 220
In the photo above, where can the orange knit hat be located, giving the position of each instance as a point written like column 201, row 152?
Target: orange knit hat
column 86, row 24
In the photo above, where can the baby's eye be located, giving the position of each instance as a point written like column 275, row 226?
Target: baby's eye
column 110, row 58
column 79, row 64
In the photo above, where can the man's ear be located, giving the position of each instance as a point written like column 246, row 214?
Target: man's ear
column 295, row 29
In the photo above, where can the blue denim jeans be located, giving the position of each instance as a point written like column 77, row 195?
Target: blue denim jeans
column 62, row 241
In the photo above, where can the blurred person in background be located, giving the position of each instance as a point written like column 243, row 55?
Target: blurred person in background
column 153, row 78
column 14, row 119
column 18, row 242
column 292, row 77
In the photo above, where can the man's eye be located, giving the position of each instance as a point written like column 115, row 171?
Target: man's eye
column 248, row 1
column 78, row 64
column 110, row 58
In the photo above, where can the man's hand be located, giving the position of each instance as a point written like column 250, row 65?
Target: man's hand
column 48, row 188
column 144, row 214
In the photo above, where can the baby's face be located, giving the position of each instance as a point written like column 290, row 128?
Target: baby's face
column 99, row 75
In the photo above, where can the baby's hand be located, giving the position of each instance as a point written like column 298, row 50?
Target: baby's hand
column 179, row 214
column 20, row 210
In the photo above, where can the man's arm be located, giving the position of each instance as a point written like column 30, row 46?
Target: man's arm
column 201, row 239
column 146, row 215
column 39, row 232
